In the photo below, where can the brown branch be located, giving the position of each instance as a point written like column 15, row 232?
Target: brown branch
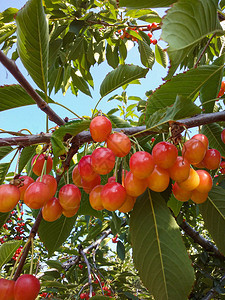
column 212, row 293
column 204, row 49
column 81, row 251
column 199, row 239
column 13, row 69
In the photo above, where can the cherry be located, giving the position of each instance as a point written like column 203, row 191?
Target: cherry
column 164, row 154
column 113, row 195
column 154, row 41
column 192, row 182
column 223, row 136
column 180, row 169
column 150, row 35
column 112, row 179
column 80, row 266
column 26, row 287
column 154, row 25
column 212, row 159
column 103, row 160
column 89, row 185
column 159, row 180
column 85, row 168
column 114, row 240
column 194, row 151
column 181, row 194
column 7, row 289
column 71, row 212
column 206, row 182
column 203, row 138
column 100, row 128
column 134, row 186
column 52, row 210
column 38, row 163
column 69, row 197
column 76, row 176
column 128, row 204
column 9, row 197
column 36, row 195
column 119, row 143
column 198, row 197
column 141, row 164
column 27, row 180
column 51, row 182
column 95, row 198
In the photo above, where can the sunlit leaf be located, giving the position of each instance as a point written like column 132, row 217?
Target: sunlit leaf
column 5, row 151
column 161, row 56
column 147, row 55
column 146, row 3
column 3, row 171
column 7, row 250
column 26, row 154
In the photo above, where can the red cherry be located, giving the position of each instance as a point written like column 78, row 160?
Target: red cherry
column 85, row 168
column 113, row 195
column 159, row 179
column 36, row 195
column 181, row 194
column 26, row 182
column 180, row 169
column 52, row 210
column 141, row 164
column 150, row 35
column 154, row 25
column 69, row 197
column 205, row 183
column 38, row 163
column 119, row 143
column 212, row 159
column 128, row 204
column 194, row 151
column 164, row 154
column 103, row 160
column 198, row 197
column 76, row 176
column 112, row 179
column 223, row 136
column 89, row 185
column 71, row 212
column 51, row 183
column 154, row 41
column 100, row 128
column 95, row 198
column 27, row 287
column 203, row 138
column 7, row 289
column 134, row 186
column 9, row 197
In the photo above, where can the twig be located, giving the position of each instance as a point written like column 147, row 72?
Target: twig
column 88, row 269
column 203, row 51
column 213, row 291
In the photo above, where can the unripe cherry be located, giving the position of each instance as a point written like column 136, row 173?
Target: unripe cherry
column 100, row 128
column 191, row 182
column 9, row 197
column 164, row 154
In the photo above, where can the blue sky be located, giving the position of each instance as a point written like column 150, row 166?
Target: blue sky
column 32, row 118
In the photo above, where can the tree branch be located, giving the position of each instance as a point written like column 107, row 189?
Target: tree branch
column 13, row 69
column 212, row 293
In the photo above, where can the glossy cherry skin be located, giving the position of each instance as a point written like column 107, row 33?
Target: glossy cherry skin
column 203, row 138
column 7, row 289
column 38, row 163
column 159, row 179
column 71, row 212
column 180, row 169
column 36, row 195
column 134, row 186
column 85, row 168
column 181, row 194
column 141, row 164
column 76, row 176
column 103, row 160
column 95, row 198
column 9, row 197
column 164, row 154
column 194, row 151
column 223, row 136
column 205, row 183
column 25, row 183
column 100, row 128
column 128, row 204
column 27, row 287
column 198, row 197
column 69, row 197
column 89, row 185
column 119, row 143
column 192, row 182
column 52, row 210
column 212, row 159
column 51, row 182
column 113, row 195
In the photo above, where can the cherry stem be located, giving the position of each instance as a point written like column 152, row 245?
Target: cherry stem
column 32, row 256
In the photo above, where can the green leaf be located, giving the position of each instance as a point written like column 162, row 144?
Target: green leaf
column 211, row 88
column 85, row 207
column 158, row 250
column 7, row 250
column 213, row 213
column 147, row 55
column 120, row 76
column 213, row 133
column 80, row 83
column 3, row 171
column 146, row 15
column 3, row 218
column 116, row 221
column 117, row 122
column 174, row 205
column 33, row 41
column 7, row 15
column 120, row 249
column 5, row 151
column 102, row 298
column 54, row 234
column 12, row 96
column 76, row 26
column 185, row 25
column 186, row 84
column 146, row 3
column 25, row 156
column 161, row 56
column 112, row 56
column 57, row 146
column 72, row 128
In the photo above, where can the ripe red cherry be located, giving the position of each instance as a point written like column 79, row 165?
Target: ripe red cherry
column 69, row 197
column 89, row 185
column 52, row 210
column 38, row 163
column 212, row 159
column 141, row 164
column 134, row 186
column 181, row 194
column 159, row 179
column 128, row 204
column 95, row 198
column 26, row 182
column 223, row 136
column 119, row 143
column 26, row 287
column 206, row 182
column 164, row 154
column 76, row 176
column 180, row 169
column 112, row 179
column 9, row 197
column 100, row 128
column 71, row 212
column 36, row 195
column 7, row 289
column 51, row 182
column 194, row 151
column 198, row 197
column 85, row 168
column 203, row 138
column 113, row 195
column 102, row 160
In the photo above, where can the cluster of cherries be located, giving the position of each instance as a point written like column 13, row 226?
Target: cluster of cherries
column 26, row 287
column 106, row 290
column 222, row 89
